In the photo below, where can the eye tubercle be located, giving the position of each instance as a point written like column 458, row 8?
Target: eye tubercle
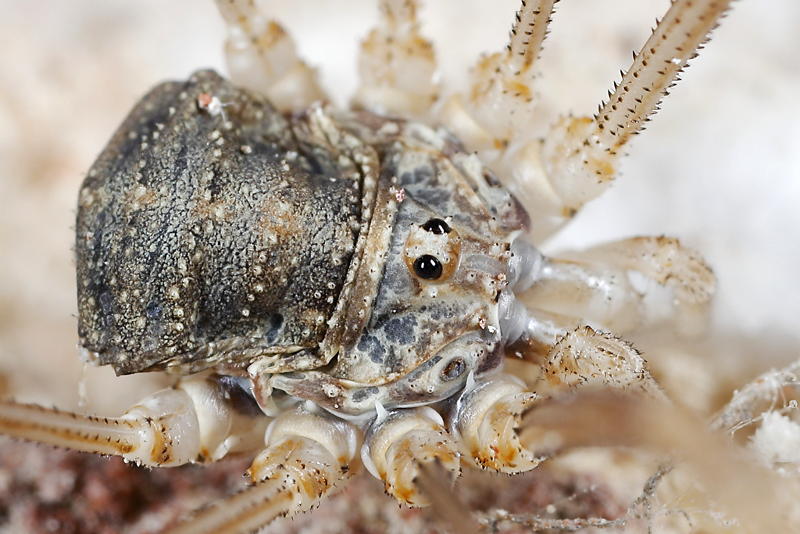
column 432, row 250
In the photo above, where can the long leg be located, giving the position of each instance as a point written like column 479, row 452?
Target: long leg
column 499, row 104
column 262, row 56
column 200, row 420
column 306, row 455
column 576, row 159
column 580, row 155
column 396, row 65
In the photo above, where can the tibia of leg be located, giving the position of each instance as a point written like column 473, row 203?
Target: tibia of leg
column 528, row 33
column 399, row 442
column 484, row 421
column 200, row 420
column 675, row 40
column 261, row 56
column 245, row 511
column 397, row 65
column 306, row 455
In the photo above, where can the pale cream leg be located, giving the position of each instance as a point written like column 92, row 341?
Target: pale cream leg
column 261, row 56
column 554, row 172
column 579, row 157
column 497, row 109
column 397, row 65
column 306, row 455
column 196, row 421
column 400, row 442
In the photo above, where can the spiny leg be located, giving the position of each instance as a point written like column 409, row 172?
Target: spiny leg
column 674, row 41
column 396, row 65
column 197, row 421
column 306, row 455
column 498, row 107
column 576, row 159
column 528, row 34
column 579, row 156
column 262, row 56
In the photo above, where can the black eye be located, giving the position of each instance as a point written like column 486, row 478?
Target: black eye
column 428, row 267
column 453, row 369
column 436, row 226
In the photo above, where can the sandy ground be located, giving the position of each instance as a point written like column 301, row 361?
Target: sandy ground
column 719, row 167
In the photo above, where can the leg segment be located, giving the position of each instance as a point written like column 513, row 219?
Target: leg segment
column 576, row 159
column 528, row 34
column 306, row 455
column 597, row 284
column 593, row 293
column 262, row 56
column 485, row 419
column 161, row 430
column 674, row 41
column 397, row 66
column 197, row 421
column 498, row 107
column 585, row 357
column 579, row 156
column 399, row 443
column 557, row 357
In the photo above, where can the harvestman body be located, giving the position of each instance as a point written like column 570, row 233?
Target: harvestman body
column 339, row 288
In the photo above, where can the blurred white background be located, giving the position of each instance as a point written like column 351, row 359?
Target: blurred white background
column 719, row 167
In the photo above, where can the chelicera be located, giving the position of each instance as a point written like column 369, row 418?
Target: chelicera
column 341, row 288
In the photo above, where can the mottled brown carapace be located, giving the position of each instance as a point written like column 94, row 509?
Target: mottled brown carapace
column 210, row 237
